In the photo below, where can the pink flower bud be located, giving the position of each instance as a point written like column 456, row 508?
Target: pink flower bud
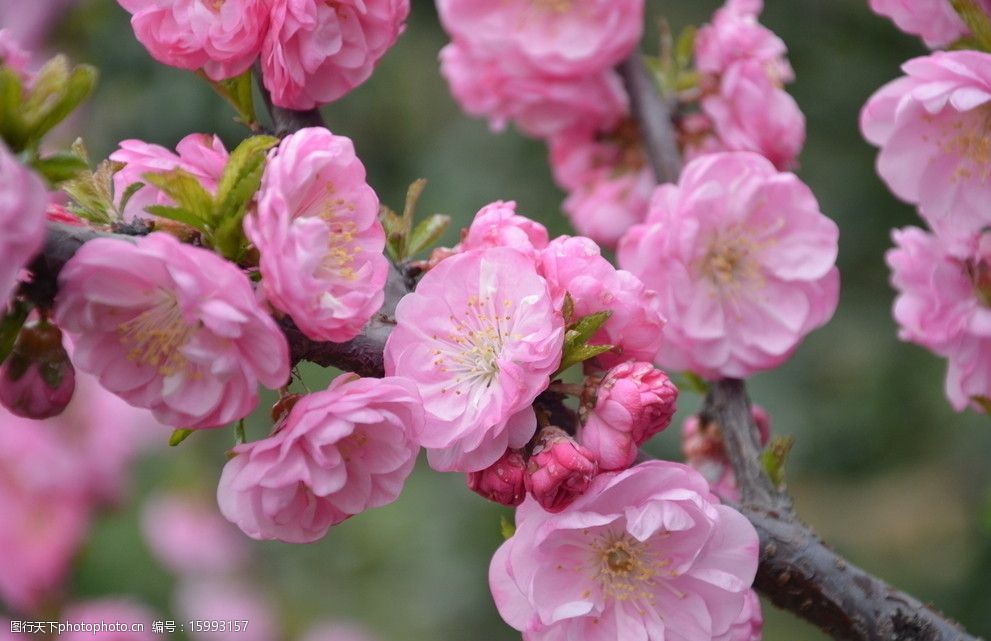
column 37, row 380
column 502, row 481
column 559, row 470
column 705, row 450
column 634, row 402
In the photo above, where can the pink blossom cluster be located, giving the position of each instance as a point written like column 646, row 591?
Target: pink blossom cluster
column 930, row 126
column 742, row 67
column 310, row 52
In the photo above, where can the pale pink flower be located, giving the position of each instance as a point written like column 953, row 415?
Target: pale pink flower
column 316, row 51
column 648, row 553
column 212, row 599
column 336, row 631
column 575, row 266
column 318, row 233
column 734, row 36
column 202, row 155
column 540, row 105
column 118, row 613
column 633, row 402
column 336, row 454
column 934, row 21
column 749, row 112
column 222, row 38
column 559, row 470
column 557, row 37
column 169, row 327
column 930, row 126
column 189, row 538
column 705, row 451
column 743, row 262
column 749, row 625
column 23, row 200
column 36, row 379
column 480, row 338
column 502, row 482
column 498, row 225
column 944, row 304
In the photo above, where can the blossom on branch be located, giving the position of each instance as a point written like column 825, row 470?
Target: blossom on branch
column 559, row 470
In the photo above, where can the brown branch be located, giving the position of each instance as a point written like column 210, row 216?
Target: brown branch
column 797, row 571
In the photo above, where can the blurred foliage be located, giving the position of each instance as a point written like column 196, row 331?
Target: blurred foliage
column 881, row 466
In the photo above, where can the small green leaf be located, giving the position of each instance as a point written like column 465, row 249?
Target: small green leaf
column 187, row 192
column 412, row 198
column 128, row 194
column 587, row 326
column 92, row 193
column 47, row 110
column 12, row 126
column 10, row 327
column 60, row 167
column 237, row 92
column 684, row 48
column 178, row 436
column 506, row 527
column 580, row 354
column 427, row 232
column 773, row 458
column 177, row 214
column 395, row 238
column 696, row 383
column 237, row 187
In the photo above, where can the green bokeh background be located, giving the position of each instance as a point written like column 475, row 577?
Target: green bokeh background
column 882, row 467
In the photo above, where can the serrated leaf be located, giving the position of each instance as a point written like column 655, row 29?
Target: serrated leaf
column 774, row 456
column 587, row 326
column 178, row 436
column 92, row 193
column 506, row 527
column 10, row 326
column 427, row 232
column 60, row 167
column 187, row 192
column 579, row 354
column 177, row 214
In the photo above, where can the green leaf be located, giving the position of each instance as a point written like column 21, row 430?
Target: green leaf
column 125, row 198
column 684, row 47
column 92, row 193
column 185, row 189
column 580, row 354
column 239, row 436
column 237, row 92
column 587, row 326
column 696, row 383
column 506, row 527
column 240, row 181
column 773, row 458
column 178, row 436
column 976, row 19
column 395, row 239
column 568, row 309
column 177, row 214
column 244, row 162
column 47, row 110
column 60, row 167
column 12, row 126
column 427, row 232
column 10, row 327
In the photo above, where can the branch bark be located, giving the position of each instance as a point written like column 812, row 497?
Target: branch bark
column 797, row 571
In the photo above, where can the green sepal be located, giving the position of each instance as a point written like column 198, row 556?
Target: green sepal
column 506, row 527
column 178, row 436
column 773, row 458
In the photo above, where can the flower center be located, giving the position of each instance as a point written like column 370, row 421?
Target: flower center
column 730, row 264
column 214, row 5
column 156, row 336
column 341, row 250
column 969, row 137
column 624, row 567
column 472, row 349
column 553, row 6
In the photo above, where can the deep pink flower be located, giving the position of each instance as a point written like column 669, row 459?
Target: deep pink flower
column 502, row 482
column 23, row 200
column 647, row 553
column 319, row 236
column 540, row 105
column 316, row 51
column 734, row 36
column 189, row 538
column 222, row 37
column 202, row 155
column 36, row 379
column 705, row 451
column 498, row 225
column 170, row 327
column 336, row 454
column 213, row 599
column 113, row 612
column 574, row 265
column 559, row 470
column 633, row 402
column 931, row 129
column 559, row 37
column 743, row 263
column 934, row 21
column 480, row 338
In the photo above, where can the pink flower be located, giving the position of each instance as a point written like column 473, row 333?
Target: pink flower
column 202, row 155
column 481, row 361
column 574, row 265
column 633, row 402
column 503, row 481
column 23, row 200
column 647, row 553
column 338, row 453
column 498, row 225
column 930, row 127
column 734, row 36
column 750, row 112
column 934, row 21
column 118, row 614
column 705, row 451
column 222, row 38
column 226, row 600
column 743, row 263
column 171, row 328
column 187, row 536
column 749, row 625
column 540, row 105
column 337, row 632
column 559, row 37
column 319, row 236
column 559, row 469
column 944, row 304
column 12, row 55
column 37, row 380
column 315, row 51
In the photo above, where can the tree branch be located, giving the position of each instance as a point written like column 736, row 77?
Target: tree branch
column 797, row 571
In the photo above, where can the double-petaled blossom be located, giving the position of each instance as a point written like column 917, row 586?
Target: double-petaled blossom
column 705, row 450
column 648, row 553
column 317, row 230
column 944, row 304
column 337, row 453
column 221, row 37
column 633, row 402
column 935, row 21
column 36, row 379
column 498, row 225
column 480, row 338
column 170, row 327
column 559, row 470
column 557, row 37
column 502, row 482
column 932, row 129
column 734, row 36
column 118, row 618
column 23, row 200
column 743, row 262
column 540, row 105
column 575, row 266
column 202, row 155
column 317, row 51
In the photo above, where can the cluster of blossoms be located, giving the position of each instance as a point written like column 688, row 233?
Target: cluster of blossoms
column 310, row 52
column 931, row 128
